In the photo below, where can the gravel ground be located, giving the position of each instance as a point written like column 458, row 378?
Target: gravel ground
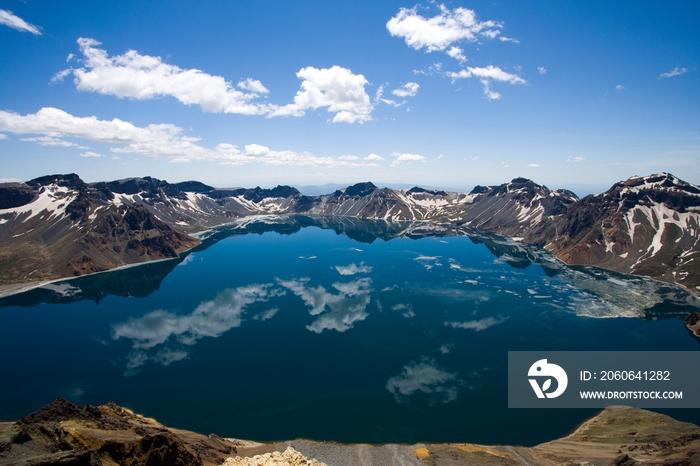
column 334, row 454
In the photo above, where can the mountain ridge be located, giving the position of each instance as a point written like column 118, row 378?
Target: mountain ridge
column 643, row 225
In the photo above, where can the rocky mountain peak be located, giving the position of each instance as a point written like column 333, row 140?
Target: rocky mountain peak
column 193, row 187
column 433, row 192
column 70, row 180
column 361, row 189
column 257, row 194
column 660, row 181
column 657, row 189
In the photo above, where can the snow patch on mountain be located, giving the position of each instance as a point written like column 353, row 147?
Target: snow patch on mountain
column 52, row 199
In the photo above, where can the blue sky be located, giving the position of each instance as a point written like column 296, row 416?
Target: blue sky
column 453, row 94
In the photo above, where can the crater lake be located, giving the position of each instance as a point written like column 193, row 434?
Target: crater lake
column 284, row 327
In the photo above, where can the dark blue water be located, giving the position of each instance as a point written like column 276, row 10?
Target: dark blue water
column 328, row 330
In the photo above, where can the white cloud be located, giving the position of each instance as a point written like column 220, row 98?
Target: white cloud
column 533, row 165
column 91, row 154
column 425, row 377
column 116, row 157
column 15, row 22
column 485, row 74
column 575, row 159
column 353, row 269
column 141, row 77
column 407, row 90
column 52, row 141
column 435, row 68
column 488, row 93
column 406, row 158
column 542, row 69
column 61, row 75
column 348, row 157
column 155, row 140
column 378, row 94
column 456, row 53
column 254, row 153
column 490, row 72
column 253, row 85
column 4, row 136
column 441, row 31
column 478, row 325
column 337, row 89
column 474, row 159
column 9, row 180
column 393, row 102
column 677, row 71
column 370, row 157
column 346, row 307
column 619, row 87
column 508, row 39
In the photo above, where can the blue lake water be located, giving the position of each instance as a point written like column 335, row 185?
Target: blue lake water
column 331, row 329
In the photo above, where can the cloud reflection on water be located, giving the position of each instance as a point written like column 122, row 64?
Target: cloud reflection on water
column 209, row 319
column 478, row 325
column 346, row 307
column 424, row 377
column 353, row 269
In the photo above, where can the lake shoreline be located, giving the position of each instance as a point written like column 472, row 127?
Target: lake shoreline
column 18, row 288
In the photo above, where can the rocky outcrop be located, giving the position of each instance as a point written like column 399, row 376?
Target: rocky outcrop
column 62, row 433
column 693, row 323
column 289, row 457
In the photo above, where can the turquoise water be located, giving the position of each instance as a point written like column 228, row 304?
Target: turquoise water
column 331, row 330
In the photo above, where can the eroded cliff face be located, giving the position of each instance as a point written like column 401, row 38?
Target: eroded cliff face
column 62, row 433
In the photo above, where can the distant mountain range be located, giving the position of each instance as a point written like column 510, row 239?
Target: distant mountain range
column 59, row 226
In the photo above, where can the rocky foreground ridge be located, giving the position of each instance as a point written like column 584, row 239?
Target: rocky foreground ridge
column 59, row 226
column 63, row 433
